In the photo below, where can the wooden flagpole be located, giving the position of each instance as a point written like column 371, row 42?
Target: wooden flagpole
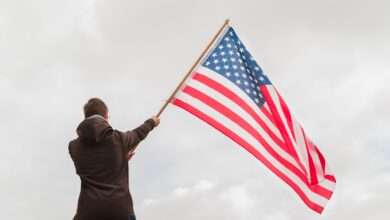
column 193, row 66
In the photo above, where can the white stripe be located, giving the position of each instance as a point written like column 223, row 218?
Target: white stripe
column 275, row 99
column 247, row 137
column 243, row 114
column 327, row 184
column 322, row 182
column 316, row 160
column 265, row 105
column 328, row 171
column 300, row 146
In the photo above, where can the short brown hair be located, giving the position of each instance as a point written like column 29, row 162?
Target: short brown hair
column 95, row 106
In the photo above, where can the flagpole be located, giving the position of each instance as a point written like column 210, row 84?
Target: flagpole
column 193, row 67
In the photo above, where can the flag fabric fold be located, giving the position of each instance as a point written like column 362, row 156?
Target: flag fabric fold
column 229, row 91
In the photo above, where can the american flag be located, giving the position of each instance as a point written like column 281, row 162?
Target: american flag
column 229, row 91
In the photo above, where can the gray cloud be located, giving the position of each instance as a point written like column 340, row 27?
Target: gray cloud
column 329, row 59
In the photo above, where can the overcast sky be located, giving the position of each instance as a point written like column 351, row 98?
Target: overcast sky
column 329, row 59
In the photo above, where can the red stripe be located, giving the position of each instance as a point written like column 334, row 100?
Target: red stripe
column 281, row 127
column 250, row 149
column 312, row 169
column 322, row 159
column 246, row 126
column 287, row 115
column 330, row 178
column 268, row 115
column 323, row 191
column 240, row 102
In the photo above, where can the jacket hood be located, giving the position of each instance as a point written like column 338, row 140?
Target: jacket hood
column 93, row 129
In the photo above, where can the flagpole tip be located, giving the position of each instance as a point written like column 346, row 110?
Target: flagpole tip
column 227, row 21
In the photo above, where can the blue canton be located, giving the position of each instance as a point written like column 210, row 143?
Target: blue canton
column 231, row 59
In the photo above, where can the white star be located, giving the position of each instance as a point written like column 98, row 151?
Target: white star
column 246, row 83
column 257, row 68
column 231, row 52
column 256, row 100
column 231, row 33
column 247, row 91
column 261, row 96
column 241, row 49
column 236, row 74
column 251, row 58
column 253, row 85
column 243, row 75
column 227, row 39
column 240, row 60
column 224, row 60
column 254, row 93
column 223, row 53
column 217, row 68
column 234, row 66
column 238, row 42
column 220, row 47
column 227, row 74
column 238, row 82
column 233, row 59
column 242, row 68
column 261, row 78
column 226, row 67
column 207, row 63
column 214, row 55
column 215, row 61
column 229, row 45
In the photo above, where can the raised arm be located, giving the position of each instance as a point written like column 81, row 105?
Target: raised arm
column 132, row 138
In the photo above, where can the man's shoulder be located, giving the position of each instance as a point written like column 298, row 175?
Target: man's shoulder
column 73, row 142
column 116, row 134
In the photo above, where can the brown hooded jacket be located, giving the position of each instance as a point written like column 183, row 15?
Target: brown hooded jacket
column 100, row 158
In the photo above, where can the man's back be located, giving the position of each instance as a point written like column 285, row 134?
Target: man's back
column 100, row 158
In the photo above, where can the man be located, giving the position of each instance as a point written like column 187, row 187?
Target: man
column 100, row 155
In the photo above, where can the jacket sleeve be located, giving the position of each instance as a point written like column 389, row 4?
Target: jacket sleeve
column 131, row 139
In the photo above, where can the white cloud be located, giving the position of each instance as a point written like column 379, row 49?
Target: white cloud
column 239, row 199
column 204, row 185
column 180, row 192
column 277, row 216
column 150, row 201
column 329, row 59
